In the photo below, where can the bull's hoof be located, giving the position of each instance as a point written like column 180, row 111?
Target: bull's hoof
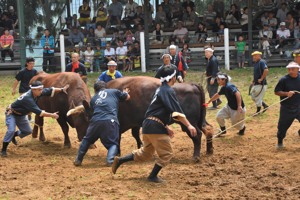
column 210, row 152
column 196, row 159
column 67, row 145
column 34, row 136
column 42, row 138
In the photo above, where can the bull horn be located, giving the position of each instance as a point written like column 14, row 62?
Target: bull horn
column 76, row 111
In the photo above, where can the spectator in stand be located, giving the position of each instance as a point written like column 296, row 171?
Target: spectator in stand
column 77, row 67
column 187, row 3
column 13, row 16
column 129, row 37
column 209, row 15
column 101, row 17
column 189, row 17
column 216, row 24
column 167, row 7
column 161, row 17
column 282, row 36
column 268, row 6
column 76, row 37
column 78, row 50
column 240, row 45
column 265, row 37
column 177, row 12
column 48, row 44
column 218, row 7
column 109, row 53
column 75, row 22
column 7, row 23
column 186, row 53
column 115, row 11
column 244, row 21
column 282, row 12
column 157, row 35
column 297, row 37
column 88, row 56
column 181, row 33
column 91, row 37
column 233, row 16
column 136, row 52
column 264, row 18
column 98, row 58
column 121, row 52
column 112, row 73
column 290, row 23
column 116, row 37
column 201, row 33
column 6, row 45
column 139, row 17
column 85, row 12
column 130, row 11
column 137, row 36
column 129, row 58
column 272, row 21
column 100, row 33
column 220, row 35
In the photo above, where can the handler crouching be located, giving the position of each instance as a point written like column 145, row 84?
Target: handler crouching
column 25, row 104
column 156, row 133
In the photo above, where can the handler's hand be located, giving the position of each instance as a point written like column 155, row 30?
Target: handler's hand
column 192, row 130
column 212, row 81
column 55, row 115
column 170, row 132
column 290, row 93
column 126, row 90
column 240, row 109
column 13, row 92
column 65, row 88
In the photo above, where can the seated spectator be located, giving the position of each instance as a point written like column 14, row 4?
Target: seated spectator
column 265, row 37
column 264, row 18
column 100, row 33
column 176, row 11
column 201, row 33
column 75, row 22
column 139, row 16
column 111, row 74
column 186, row 53
column 220, row 35
column 136, row 52
column 244, row 21
column 282, row 36
column 218, row 7
column 121, row 52
column 129, row 37
column 157, row 35
column 7, row 23
column 161, row 17
column 272, row 21
column 181, row 33
column 290, row 23
column 85, row 12
column 90, row 37
column 6, row 45
column 297, row 36
column 189, row 3
column 233, row 16
column 77, row 67
column 167, row 7
column 98, row 58
column 101, row 17
column 216, row 24
column 115, row 11
column 209, row 15
column 129, row 58
column 189, row 17
column 268, row 6
column 130, row 11
column 76, row 37
column 109, row 53
column 282, row 12
column 116, row 37
column 88, row 56
column 13, row 16
column 137, row 36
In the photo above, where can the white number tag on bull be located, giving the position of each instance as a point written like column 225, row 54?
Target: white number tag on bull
column 102, row 95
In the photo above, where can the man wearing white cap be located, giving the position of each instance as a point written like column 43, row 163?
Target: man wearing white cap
column 288, row 86
column 25, row 104
column 235, row 108
column 282, row 36
column 212, row 69
column 111, row 73
column 179, row 62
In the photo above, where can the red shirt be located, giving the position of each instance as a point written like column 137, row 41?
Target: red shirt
column 6, row 40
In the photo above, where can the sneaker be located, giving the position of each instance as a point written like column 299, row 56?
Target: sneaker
column 276, row 47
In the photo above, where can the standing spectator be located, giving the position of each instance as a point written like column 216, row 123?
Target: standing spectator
column 7, row 23
column 282, row 12
column 265, row 37
column 186, row 53
column 161, row 17
column 13, row 16
column 209, row 15
column 100, row 34
column 130, row 11
column 282, row 36
column 104, row 123
column 244, row 21
column 156, row 132
column 115, row 11
column 178, row 61
column 234, row 109
column 218, row 6
column 6, row 45
column 77, row 67
column 240, row 45
column 109, row 53
column 121, row 52
column 76, row 37
column 89, row 58
column 23, row 77
column 177, row 11
column 47, row 42
column 259, row 83
column 189, row 17
column 233, row 16
column 85, row 12
column 157, row 35
column 101, row 17
column 212, row 70
column 111, row 74
column 289, row 108
column 189, row 3
column 201, row 33
column 181, row 33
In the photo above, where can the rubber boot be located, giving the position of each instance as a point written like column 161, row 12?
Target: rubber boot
column 13, row 140
column 223, row 130
column 257, row 111
column 84, row 146
column 242, row 131
column 4, row 148
column 153, row 175
column 265, row 106
column 111, row 153
column 118, row 161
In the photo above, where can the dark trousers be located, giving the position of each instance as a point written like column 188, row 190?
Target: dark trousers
column 48, row 57
column 286, row 118
column 212, row 90
column 9, row 51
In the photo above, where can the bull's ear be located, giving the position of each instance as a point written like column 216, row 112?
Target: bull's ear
column 86, row 104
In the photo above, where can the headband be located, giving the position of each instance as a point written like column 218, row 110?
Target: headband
column 167, row 78
column 221, row 76
column 37, row 87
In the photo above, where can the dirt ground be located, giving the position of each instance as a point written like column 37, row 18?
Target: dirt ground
column 247, row 167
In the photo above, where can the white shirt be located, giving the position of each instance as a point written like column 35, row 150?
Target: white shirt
column 100, row 33
column 283, row 33
column 88, row 56
column 121, row 51
column 109, row 53
column 130, row 9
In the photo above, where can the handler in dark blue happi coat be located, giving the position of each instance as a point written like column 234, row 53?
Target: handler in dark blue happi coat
column 104, row 123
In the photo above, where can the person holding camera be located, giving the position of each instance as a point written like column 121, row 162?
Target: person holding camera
column 47, row 42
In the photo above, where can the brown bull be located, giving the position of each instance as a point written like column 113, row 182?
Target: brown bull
column 77, row 92
column 190, row 96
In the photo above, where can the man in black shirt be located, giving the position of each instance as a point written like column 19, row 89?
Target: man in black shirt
column 77, row 67
column 290, row 108
column 234, row 109
column 156, row 132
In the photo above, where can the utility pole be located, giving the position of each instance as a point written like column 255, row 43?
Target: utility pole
column 20, row 7
column 146, row 29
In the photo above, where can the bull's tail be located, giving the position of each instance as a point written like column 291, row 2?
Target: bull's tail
column 202, row 122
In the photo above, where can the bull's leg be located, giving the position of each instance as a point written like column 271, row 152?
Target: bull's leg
column 136, row 134
column 38, row 124
column 196, row 141
column 208, row 131
column 65, row 128
column 41, row 124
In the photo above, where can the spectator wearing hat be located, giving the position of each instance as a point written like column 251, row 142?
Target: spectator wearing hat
column 77, row 67
column 110, row 74
column 234, row 109
column 296, row 55
column 282, row 36
column 212, row 69
column 265, row 36
column 259, row 82
column 290, row 107
column 47, row 42
column 6, row 45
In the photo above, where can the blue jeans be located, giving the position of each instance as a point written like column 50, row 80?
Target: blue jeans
column 21, row 122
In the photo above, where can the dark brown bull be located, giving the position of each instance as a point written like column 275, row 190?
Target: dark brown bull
column 132, row 112
column 61, row 102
